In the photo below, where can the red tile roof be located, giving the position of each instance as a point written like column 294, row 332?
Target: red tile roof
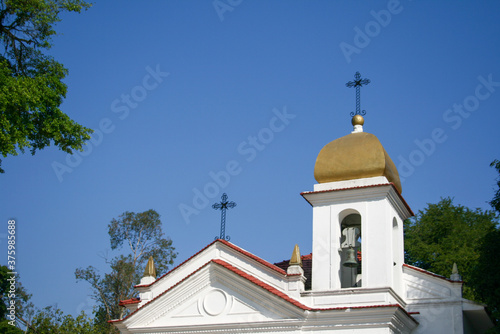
column 307, row 257
column 161, row 294
column 265, row 286
column 129, row 301
column 306, row 266
column 429, row 273
column 254, row 257
column 177, row 267
column 227, row 243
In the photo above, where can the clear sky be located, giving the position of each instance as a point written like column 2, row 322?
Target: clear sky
column 248, row 92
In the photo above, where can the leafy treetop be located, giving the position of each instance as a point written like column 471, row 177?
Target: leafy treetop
column 31, row 86
column 495, row 202
column 444, row 234
column 137, row 236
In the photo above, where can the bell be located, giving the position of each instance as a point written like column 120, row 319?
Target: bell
column 351, row 259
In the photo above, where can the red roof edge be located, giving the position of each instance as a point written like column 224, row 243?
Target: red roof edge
column 164, row 292
column 263, row 285
column 129, row 301
column 430, row 273
column 254, row 257
column 178, row 266
column 307, row 257
column 285, row 297
column 361, row 187
column 227, row 243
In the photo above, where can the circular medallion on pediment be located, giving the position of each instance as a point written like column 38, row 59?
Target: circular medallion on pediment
column 215, row 302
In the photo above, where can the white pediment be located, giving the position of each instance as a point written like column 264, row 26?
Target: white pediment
column 215, row 304
column 213, row 295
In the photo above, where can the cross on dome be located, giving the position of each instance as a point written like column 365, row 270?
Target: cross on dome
column 358, row 83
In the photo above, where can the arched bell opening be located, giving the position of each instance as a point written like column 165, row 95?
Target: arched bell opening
column 350, row 249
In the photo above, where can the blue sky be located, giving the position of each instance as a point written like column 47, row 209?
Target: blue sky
column 180, row 91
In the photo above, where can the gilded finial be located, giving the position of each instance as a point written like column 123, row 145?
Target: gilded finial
column 150, row 268
column 296, row 259
column 357, row 120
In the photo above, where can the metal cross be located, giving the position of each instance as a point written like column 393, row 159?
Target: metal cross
column 223, row 206
column 357, row 83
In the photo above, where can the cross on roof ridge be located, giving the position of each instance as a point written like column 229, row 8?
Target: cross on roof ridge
column 223, row 205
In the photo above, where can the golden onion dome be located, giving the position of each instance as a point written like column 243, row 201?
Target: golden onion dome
column 355, row 156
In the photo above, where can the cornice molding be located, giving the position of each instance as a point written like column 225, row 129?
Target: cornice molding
column 356, row 291
column 359, row 194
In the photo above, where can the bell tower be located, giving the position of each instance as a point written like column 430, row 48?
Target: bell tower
column 358, row 215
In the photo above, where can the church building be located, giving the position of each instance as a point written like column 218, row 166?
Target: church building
column 355, row 280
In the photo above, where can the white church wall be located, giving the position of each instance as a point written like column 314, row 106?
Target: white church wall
column 353, row 297
column 438, row 318
column 437, row 301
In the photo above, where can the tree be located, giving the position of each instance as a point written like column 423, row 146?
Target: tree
column 23, row 307
column 444, row 234
column 142, row 236
column 486, row 273
column 46, row 321
column 31, row 86
column 52, row 320
column 495, row 202
column 6, row 328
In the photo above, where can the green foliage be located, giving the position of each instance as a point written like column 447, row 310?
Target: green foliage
column 31, row 87
column 7, row 328
column 4, row 287
column 486, row 274
column 24, row 308
column 142, row 235
column 495, row 202
column 110, row 289
column 47, row 320
column 487, row 271
column 52, row 320
column 444, row 234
